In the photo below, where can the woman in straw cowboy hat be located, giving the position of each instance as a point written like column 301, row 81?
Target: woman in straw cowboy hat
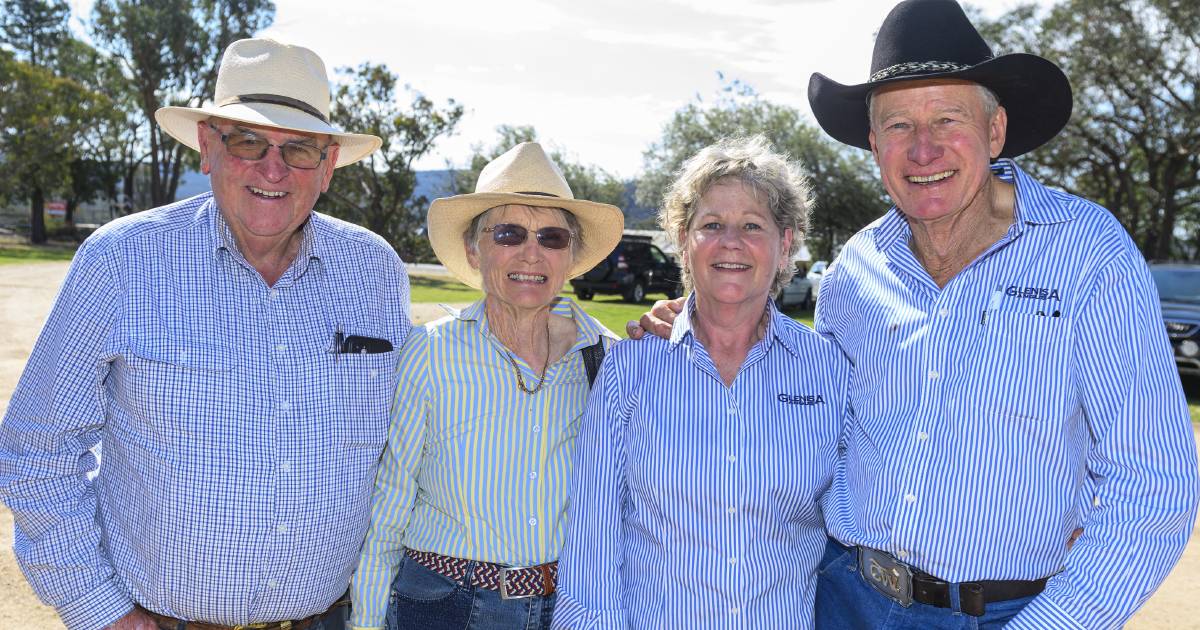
column 701, row 457
column 469, row 502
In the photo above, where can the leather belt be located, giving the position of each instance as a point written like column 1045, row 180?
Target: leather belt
column 904, row 584
column 512, row 582
column 170, row 623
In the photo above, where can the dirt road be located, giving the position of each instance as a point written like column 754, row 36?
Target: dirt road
column 26, row 294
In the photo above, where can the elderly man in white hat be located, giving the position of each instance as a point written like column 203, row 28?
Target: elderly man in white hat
column 1013, row 381
column 233, row 353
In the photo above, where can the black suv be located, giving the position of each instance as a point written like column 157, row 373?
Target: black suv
column 1179, row 290
column 636, row 267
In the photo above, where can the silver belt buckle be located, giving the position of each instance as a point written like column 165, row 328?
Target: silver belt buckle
column 889, row 576
column 503, row 577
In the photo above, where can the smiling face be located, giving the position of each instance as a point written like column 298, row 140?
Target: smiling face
column 526, row 276
column 264, row 201
column 733, row 246
column 933, row 141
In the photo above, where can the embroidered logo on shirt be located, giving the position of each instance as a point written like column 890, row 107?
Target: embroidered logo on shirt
column 801, row 399
column 1033, row 293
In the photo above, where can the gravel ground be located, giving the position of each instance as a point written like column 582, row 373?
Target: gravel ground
column 26, row 294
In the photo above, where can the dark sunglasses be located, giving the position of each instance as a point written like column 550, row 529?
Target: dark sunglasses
column 251, row 146
column 511, row 235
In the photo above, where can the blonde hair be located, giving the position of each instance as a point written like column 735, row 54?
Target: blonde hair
column 752, row 162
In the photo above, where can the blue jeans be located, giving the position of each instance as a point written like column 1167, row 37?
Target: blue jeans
column 426, row 600
column 847, row 602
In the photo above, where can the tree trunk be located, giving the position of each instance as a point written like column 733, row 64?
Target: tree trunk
column 37, row 216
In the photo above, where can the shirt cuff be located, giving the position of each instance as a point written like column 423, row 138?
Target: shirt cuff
column 98, row 608
column 1043, row 612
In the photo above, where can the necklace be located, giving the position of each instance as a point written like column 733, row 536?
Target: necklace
column 517, row 368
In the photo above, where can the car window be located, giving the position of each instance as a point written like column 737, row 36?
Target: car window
column 1177, row 284
column 657, row 256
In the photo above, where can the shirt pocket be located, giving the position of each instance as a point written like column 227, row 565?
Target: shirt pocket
column 1019, row 368
column 364, row 387
column 173, row 390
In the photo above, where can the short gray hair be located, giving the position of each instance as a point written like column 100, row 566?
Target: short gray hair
column 752, row 162
column 474, row 231
column 990, row 103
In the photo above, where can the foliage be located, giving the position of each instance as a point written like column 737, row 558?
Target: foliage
column 377, row 192
column 1133, row 142
column 845, row 185
column 170, row 51
column 586, row 181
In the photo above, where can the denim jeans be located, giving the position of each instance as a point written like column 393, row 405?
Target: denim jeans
column 847, row 602
column 426, row 600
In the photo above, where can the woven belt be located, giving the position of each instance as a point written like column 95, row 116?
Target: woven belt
column 170, row 623
column 512, row 582
column 904, row 584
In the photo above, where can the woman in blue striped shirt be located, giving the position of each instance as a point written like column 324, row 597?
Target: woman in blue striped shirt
column 701, row 457
column 471, row 493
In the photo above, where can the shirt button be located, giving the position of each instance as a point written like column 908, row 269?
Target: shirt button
column 731, row 458
column 733, row 610
column 944, row 312
column 373, row 373
column 533, row 475
column 285, row 405
column 731, row 410
column 285, row 466
column 281, row 347
column 732, row 560
column 537, row 428
column 933, row 374
column 272, row 583
column 910, row 498
column 902, row 554
column 533, row 522
column 731, row 509
column 274, row 294
column 281, row 528
column 921, row 435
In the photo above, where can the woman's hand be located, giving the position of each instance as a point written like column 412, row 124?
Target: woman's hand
column 658, row 321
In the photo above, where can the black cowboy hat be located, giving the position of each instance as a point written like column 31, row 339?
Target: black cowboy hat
column 933, row 39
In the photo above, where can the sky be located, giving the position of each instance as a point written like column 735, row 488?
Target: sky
column 597, row 79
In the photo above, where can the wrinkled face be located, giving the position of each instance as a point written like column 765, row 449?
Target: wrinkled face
column 525, row 276
column 933, row 142
column 263, row 200
column 733, row 246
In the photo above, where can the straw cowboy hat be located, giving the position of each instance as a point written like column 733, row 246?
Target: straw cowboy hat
column 524, row 175
column 933, row 39
column 264, row 82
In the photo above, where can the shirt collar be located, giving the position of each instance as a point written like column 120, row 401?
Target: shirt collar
column 221, row 238
column 1035, row 205
column 683, row 333
column 589, row 331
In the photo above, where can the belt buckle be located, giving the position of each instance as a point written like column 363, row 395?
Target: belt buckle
column 887, row 575
column 503, row 578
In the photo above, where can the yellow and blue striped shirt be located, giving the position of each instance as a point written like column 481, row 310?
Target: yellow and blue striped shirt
column 474, row 467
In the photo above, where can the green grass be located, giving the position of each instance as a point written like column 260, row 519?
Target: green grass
column 611, row 310
column 16, row 253
column 1191, row 387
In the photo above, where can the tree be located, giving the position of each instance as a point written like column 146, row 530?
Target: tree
column 1133, row 142
column 34, row 27
column 587, row 181
column 377, row 192
column 170, row 51
column 846, row 189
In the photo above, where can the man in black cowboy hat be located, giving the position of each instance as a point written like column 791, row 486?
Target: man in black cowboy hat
column 233, row 354
column 1013, row 381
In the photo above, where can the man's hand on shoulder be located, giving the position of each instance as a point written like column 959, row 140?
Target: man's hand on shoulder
column 134, row 620
column 658, row 321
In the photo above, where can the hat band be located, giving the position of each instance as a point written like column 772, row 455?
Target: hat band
column 917, row 68
column 276, row 99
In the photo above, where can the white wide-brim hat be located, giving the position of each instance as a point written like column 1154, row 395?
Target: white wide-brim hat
column 265, row 82
column 524, row 175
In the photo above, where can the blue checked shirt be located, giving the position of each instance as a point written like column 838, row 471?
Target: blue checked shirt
column 474, row 467
column 1033, row 394
column 238, row 453
column 694, row 505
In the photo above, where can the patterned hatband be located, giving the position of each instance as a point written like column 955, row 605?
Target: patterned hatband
column 917, row 68
column 512, row 582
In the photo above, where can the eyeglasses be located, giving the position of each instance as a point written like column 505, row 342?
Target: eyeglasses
column 511, row 235
column 251, row 146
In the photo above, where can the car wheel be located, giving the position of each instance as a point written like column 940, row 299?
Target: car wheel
column 583, row 294
column 636, row 293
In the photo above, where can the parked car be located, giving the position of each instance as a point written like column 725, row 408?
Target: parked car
column 636, row 267
column 803, row 288
column 1179, row 291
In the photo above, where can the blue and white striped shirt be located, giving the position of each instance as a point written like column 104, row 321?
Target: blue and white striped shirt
column 474, row 467
column 1033, row 394
column 238, row 454
column 694, row 505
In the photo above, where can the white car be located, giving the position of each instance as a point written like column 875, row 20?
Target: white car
column 803, row 288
